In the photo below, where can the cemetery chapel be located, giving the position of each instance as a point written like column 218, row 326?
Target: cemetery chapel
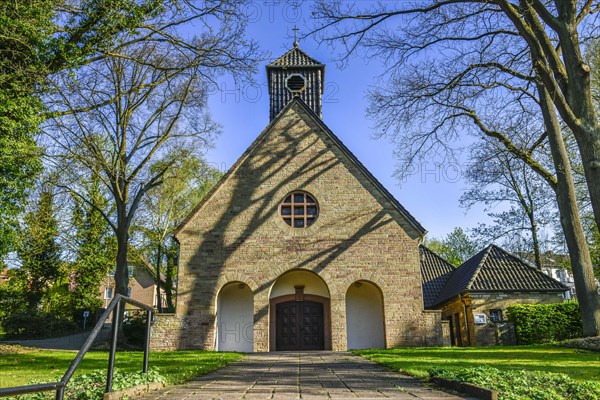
column 298, row 247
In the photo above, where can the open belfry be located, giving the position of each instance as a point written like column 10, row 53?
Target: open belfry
column 298, row 247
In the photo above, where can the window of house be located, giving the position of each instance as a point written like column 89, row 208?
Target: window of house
column 108, row 293
column 496, row 315
column 299, row 210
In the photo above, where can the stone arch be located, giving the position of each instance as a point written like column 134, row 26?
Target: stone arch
column 365, row 321
column 234, row 318
column 306, row 292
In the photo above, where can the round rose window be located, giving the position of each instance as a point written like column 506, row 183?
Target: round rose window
column 299, row 209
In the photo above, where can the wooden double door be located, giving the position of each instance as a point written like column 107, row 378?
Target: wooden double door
column 300, row 326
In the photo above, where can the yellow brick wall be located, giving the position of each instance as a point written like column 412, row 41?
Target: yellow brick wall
column 238, row 235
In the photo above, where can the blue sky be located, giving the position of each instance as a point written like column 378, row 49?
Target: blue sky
column 431, row 194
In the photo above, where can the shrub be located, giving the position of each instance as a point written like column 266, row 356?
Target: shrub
column 36, row 325
column 134, row 328
column 92, row 386
column 523, row 385
column 545, row 323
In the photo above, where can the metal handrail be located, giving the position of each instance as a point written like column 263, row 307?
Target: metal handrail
column 117, row 301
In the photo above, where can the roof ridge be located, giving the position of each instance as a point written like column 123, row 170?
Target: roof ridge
column 526, row 263
column 486, row 252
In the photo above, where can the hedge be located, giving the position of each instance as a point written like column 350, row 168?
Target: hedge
column 545, row 323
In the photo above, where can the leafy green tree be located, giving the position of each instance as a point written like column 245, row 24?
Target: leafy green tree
column 24, row 30
column 39, row 251
column 189, row 179
column 456, row 247
column 13, row 294
column 95, row 248
column 39, row 38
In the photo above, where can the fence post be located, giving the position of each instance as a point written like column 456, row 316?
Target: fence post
column 60, row 393
column 113, row 346
column 147, row 348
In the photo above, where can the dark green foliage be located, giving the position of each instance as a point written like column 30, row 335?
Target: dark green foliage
column 13, row 294
column 33, row 324
column 39, row 251
column 24, row 28
column 91, row 386
column 545, row 323
column 95, row 249
column 523, row 385
column 456, row 247
column 134, row 328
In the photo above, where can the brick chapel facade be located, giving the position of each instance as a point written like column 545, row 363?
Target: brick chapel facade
column 298, row 247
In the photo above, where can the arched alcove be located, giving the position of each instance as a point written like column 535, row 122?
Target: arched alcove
column 310, row 282
column 364, row 316
column 235, row 318
column 299, row 312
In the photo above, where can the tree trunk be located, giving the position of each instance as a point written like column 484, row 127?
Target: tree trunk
column 589, row 148
column 158, row 260
column 536, row 241
column 121, row 272
column 169, row 275
column 585, row 284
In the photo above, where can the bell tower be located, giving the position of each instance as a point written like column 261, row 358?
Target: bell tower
column 295, row 74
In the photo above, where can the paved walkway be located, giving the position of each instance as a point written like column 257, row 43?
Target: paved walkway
column 309, row 375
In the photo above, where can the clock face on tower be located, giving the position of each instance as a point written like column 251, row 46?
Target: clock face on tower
column 295, row 83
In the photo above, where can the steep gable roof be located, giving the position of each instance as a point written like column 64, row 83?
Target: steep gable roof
column 295, row 58
column 297, row 102
column 435, row 272
column 496, row 270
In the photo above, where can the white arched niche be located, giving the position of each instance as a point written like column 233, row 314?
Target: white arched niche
column 311, row 282
column 235, row 318
column 364, row 316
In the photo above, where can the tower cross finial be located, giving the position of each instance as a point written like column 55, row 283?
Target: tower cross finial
column 295, row 35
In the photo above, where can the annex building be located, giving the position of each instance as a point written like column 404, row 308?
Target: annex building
column 298, row 247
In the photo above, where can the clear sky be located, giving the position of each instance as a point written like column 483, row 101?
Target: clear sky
column 430, row 195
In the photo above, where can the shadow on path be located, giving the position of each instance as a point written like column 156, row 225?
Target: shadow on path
column 306, row 375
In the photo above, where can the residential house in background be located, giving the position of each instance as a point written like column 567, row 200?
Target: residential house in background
column 474, row 297
column 4, row 275
column 142, row 286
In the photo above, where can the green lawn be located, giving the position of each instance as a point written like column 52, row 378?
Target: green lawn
column 579, row 364
column 19, row 365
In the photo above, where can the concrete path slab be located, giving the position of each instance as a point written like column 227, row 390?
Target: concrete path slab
column 307, row 375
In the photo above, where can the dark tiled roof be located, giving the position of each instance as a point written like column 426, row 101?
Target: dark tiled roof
column 295, row 58
column 435, row 271
column 495, row 270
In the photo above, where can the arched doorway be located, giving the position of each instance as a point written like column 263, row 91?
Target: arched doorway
column 235, row 318
column 299, row 312
column 364, row 316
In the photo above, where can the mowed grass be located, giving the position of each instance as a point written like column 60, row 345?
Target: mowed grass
column 578, row 364
column 20, row 365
